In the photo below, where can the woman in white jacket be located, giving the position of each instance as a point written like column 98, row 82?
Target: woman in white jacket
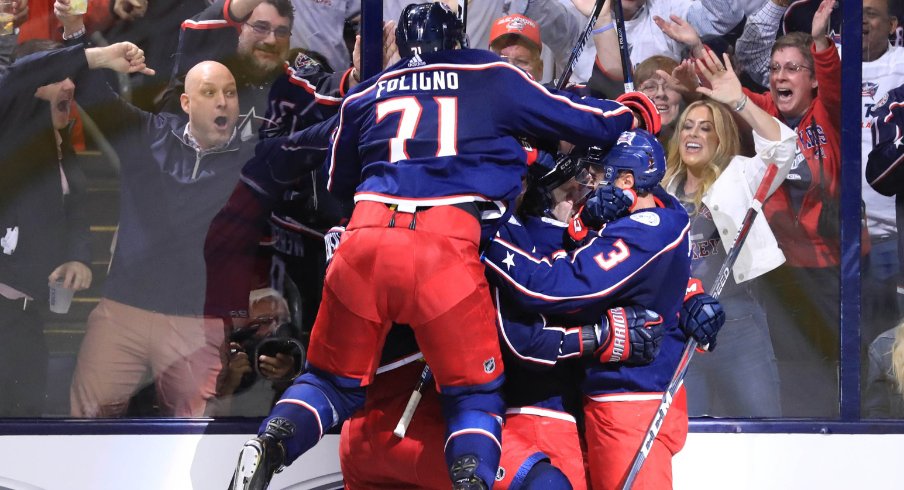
column 716, row 185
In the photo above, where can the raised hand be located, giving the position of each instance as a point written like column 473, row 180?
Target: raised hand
column 390, row 49
column 123, row 57
column 680, row 30
column 683, row 79
column 724, row 85
column 71, row 23
column 820, row 27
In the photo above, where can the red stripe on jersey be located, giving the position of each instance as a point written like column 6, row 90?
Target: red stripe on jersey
column 605, row 292
column 204, row 24
column 311, row 89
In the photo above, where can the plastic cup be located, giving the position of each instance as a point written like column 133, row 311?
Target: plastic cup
column 78, row 7
column 60, row 298
column 6, row 17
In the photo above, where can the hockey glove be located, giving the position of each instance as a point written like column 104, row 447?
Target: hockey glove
column 631, row 335
column 644, row 109
column 701, row 316
column 331, row 241
column 607, row 203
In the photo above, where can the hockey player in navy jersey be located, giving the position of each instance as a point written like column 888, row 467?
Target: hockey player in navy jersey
column 641, row 259
column 543, row 354
column 424, row 148
column 541, row 447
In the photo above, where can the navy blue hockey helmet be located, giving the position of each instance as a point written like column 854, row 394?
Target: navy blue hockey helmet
column 427, row 28
column 638, row 152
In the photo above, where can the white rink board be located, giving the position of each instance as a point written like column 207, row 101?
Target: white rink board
column 201, row 462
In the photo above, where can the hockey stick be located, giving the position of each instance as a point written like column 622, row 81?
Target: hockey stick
column 413, row 402
column 678, row 377
column 623, row 46
column 579, row 46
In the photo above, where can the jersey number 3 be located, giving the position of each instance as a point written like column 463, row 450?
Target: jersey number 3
column 410, row 110
column 614, row 257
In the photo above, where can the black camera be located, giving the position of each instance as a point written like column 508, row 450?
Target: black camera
column 264, row 337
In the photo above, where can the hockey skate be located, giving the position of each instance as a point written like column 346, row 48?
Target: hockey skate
column 463, row 474
column 260, row 458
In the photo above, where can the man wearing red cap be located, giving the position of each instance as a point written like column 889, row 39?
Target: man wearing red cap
column 517, row 38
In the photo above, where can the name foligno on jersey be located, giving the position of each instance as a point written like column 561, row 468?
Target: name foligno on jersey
column 419, row 81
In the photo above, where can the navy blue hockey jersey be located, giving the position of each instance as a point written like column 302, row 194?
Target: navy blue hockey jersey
column 642, row 259
column 441, row 129
column 540, row 353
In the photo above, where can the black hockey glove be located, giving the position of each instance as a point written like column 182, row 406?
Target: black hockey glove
column 701, row 316
column 631, row 335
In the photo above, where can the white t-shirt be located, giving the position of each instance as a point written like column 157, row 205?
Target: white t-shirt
column 646, row 39
column 879, row 76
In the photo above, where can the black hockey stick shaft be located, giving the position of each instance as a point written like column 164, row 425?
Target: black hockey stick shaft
column 623, row 45
column 463, row 13
column 579, row 46
column 405, row 420
column 691, row 345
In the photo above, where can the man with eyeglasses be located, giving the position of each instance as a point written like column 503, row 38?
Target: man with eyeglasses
column 252, row 38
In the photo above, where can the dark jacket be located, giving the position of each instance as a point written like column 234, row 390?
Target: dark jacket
column 170, row 192
column 53, row 228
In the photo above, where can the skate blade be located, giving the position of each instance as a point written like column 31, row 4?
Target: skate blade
column 248, row 464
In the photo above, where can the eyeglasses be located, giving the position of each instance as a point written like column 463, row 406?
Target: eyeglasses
column 789, row 67
column 263, row 29
column 653, row 86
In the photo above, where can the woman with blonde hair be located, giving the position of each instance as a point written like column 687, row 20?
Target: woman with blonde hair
column 716, row 185
column 884, row 394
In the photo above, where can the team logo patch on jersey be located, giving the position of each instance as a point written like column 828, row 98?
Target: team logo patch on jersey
column 489, row 365
column 869, row 89
column 304, row 65
column 647, row 218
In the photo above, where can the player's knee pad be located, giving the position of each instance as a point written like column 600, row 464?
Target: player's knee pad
column 474, row 427
column 315, row 404
column 544, row 476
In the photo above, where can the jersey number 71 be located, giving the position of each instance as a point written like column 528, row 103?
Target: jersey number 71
column 410, row 116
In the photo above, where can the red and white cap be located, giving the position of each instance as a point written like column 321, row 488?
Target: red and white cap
column 515, row 25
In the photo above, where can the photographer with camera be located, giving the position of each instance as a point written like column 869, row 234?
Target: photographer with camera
column 262, row 359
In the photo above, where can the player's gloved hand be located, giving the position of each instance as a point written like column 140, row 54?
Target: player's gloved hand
column 644, row 109
column 701, row 316
column 607, row 203
column 331, row 241
column 631, row 335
